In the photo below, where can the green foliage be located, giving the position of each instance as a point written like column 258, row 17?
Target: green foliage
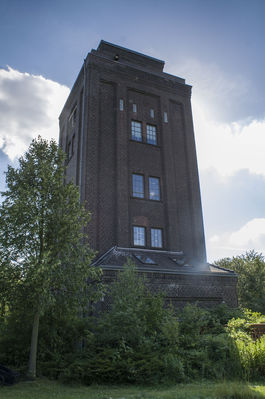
column 251, row 352
column 136, row 341
column 139, row 341
column 205, row 347
column 45, row 389
column 44, row 264
column 15, row 332
column 250, row 268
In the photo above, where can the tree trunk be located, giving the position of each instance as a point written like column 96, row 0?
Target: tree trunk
column 33, row 346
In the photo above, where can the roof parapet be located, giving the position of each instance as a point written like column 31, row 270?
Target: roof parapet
column 122, row 54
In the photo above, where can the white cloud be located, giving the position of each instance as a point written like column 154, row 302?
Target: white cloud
column 226, row 97
column 229, row 117
column 29, row 106
column 249, row 236
column 229, row 147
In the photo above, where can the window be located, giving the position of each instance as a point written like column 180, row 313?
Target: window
column 165, row 117
column 151, row 134
column 139, row 236
column 138, row 186
column 179, row 260
column 121, row 104
column 152, row 113
column 134, row 108
column 156, row 238
column 136, row 128
column 147, row 135
column 145, row 259
column 154, row 188
column 72, row 118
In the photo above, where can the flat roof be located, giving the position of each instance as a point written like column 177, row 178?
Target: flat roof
column 105, row 43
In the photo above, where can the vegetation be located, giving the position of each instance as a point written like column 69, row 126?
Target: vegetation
column 47, row 289
column 45, row 389
column 251, row 353
column 139, row 341
column 44, row 266
column 250, row 268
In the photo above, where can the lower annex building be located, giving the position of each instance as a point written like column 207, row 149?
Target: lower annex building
column 128, row 134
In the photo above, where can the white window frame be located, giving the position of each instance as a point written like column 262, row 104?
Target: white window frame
column 156, row 238
column 136, row 131
column 137, row 185
column 139, row 236
column 154, row 188
column 151, row 134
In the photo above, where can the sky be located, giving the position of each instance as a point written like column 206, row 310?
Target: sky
column 216, row 45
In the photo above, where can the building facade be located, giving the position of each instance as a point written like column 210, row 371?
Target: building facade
column 128, row 134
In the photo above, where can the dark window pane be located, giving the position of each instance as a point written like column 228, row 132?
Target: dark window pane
column 138, row 186
column 156, row 238
column 136, row 131
column 145, row 259
column 154, row 188
column 151, row 134
column 121, row 104
column 139, row 236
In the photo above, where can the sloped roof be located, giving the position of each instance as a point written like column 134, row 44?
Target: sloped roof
column 155, row 261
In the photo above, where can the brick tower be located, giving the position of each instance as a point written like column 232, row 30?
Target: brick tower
column 128, row 134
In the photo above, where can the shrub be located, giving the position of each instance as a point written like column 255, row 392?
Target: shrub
column 251, row 352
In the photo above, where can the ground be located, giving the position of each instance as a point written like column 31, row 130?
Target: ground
column 45, row 389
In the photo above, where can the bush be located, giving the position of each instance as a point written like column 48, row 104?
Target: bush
column 140, row 341
column 251, row 352
column 136, row 341
column 206, row 349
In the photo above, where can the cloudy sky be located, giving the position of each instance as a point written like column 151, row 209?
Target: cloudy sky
column 216, row 45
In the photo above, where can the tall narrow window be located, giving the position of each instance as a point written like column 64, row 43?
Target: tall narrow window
column 152, row 113
column 156, row 238
column 121, row 104
column 139, row 236
column 138, row 186
column 165, row 117
column 136, row 128
column 72, row 118
column 154, row 188
column 134, row 108
column 151, row 134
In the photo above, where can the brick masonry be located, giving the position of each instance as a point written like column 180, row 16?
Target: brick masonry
column 102, row 155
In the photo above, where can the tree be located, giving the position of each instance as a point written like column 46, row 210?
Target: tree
column 135, row 341
column 250, row 268
column 44, row 261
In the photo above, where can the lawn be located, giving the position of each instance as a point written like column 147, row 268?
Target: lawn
column 45, row 389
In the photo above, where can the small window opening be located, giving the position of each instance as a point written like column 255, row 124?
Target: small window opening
column 121, row 104
column 145, row 259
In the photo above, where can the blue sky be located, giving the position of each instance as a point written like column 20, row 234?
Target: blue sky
column 217, row 46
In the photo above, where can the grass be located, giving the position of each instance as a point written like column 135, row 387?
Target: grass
column 46, row 389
